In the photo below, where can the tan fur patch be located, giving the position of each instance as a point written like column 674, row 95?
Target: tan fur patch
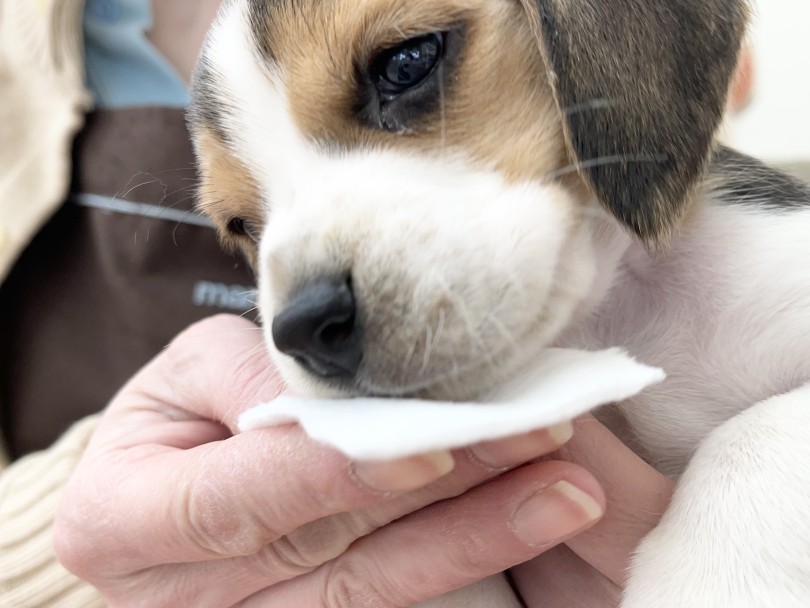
column 227, row 191
column 497, row 110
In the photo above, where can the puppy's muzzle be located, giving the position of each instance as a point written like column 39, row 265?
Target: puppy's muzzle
column 319, row 329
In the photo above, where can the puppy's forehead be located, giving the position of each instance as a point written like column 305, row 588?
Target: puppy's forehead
column 288, row 32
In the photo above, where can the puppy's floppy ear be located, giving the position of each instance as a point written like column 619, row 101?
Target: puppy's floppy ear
column 642, row 87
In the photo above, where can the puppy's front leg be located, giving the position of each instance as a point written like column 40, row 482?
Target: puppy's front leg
column 737, row 534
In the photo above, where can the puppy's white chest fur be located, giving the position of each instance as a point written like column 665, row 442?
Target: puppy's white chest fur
column 724, row 312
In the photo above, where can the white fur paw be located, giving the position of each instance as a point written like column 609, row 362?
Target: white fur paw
column 669, row 572
column 737, row 534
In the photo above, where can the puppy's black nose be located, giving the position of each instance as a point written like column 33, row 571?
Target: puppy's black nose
column 318, row 328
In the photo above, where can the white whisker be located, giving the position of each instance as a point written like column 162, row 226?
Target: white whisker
column 607, row 160
column 599, row 103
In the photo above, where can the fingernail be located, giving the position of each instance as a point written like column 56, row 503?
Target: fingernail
column 562, row 433
column 554, row 514
column 406, row 474
column 522, row 448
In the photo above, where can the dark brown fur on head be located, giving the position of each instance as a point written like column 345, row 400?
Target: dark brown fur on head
column 645, row 81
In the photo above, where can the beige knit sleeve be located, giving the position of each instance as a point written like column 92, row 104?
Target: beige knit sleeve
column 30, row 489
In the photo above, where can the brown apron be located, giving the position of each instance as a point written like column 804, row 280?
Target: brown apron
column 121, row 268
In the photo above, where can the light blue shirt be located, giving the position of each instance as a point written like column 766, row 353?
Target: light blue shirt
column 123, row 69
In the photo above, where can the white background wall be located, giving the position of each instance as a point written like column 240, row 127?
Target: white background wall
column 776, row 126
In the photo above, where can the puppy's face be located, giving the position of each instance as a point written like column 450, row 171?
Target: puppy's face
column 399, row 173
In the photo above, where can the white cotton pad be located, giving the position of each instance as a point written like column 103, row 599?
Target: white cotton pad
column 564, row 384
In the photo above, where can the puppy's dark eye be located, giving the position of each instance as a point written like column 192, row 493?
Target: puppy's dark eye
column 400, row 88
column 241, row 227
column 407, row 65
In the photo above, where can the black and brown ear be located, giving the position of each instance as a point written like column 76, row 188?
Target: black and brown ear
column 642, row 87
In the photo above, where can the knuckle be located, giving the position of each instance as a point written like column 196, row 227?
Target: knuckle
column 469, row 552
column 186, row 347
column 253, row 374
column 306, row 498
column 248, row 369
column 312, row 545
column 283, row 560
column 209, row 521
column 348, row 586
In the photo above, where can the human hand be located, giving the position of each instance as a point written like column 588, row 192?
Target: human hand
column 591, row 568
column 169, row 507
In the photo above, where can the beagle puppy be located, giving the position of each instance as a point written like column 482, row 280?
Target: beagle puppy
column 433, row 191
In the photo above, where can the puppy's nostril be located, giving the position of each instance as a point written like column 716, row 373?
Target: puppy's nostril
column 319, row 329
column 334, row 334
